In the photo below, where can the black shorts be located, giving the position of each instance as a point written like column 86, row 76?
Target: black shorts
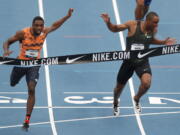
column 128, row 67
column 31, row 73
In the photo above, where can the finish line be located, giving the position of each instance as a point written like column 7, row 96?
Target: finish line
column 94, row 57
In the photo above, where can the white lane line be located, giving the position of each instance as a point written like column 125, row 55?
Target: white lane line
column 117, row 16
column 121, row 116
column 94, row 118
column 48, row 84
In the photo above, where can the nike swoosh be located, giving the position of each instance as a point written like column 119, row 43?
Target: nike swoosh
column 145, row 54
column 68, row 61
column 4, row 62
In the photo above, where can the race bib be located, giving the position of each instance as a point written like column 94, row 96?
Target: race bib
column 137, row 47
column 31, row 53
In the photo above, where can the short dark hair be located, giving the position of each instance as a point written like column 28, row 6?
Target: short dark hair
column 37, row 18
column 150, row 15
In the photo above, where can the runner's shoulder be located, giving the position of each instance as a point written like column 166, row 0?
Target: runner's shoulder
column 131, row 23
column 19, row 35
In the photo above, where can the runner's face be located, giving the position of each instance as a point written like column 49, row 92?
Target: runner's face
column 37, row 27
column 153, row 24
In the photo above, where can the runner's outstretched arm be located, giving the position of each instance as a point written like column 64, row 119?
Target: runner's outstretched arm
column 167, row 41
column 58, row 23
column 114, row 27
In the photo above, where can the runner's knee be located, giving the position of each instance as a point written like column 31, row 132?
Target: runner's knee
column 119, row 86
column 31, row 92
column 146, row 85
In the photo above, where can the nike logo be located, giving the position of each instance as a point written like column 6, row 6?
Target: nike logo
column 4, row 62
column 68, row 61
column 144, row 54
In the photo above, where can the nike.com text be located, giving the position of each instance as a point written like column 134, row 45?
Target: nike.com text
column 110, row 56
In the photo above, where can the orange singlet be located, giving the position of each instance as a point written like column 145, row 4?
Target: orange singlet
column 31, row 46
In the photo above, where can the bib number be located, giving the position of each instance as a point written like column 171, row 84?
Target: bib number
column 31, row 53
column 137, row 47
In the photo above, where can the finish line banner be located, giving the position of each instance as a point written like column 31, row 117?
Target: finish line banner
column 94, row 57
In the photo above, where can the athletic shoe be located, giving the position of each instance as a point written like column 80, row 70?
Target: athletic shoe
column 25, row 127
column 138, row 108
column 116, row 111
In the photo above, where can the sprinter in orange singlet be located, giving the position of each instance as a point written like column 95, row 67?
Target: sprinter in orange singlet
column 31, row 40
